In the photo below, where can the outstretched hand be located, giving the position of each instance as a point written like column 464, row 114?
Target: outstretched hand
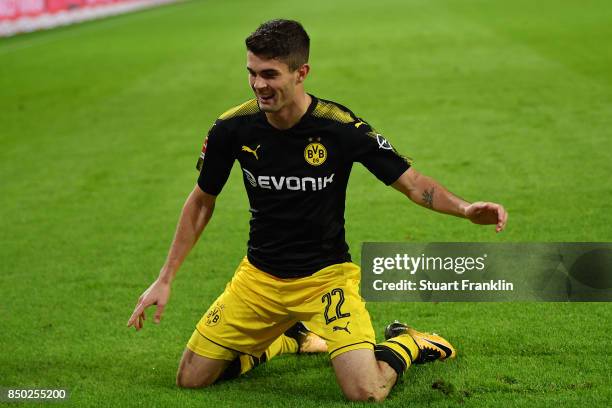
column 157, row 294
column 485, row 213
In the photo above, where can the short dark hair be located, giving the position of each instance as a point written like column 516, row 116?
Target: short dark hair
column 281, row 39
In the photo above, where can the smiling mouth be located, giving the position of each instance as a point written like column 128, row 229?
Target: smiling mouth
column 266, row 98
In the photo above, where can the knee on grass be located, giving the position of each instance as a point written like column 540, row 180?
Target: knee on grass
column 363, row 392
column 185, row 379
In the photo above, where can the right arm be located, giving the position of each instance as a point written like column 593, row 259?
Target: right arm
column 196, row 213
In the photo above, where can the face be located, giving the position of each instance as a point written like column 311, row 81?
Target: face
column 274, row 84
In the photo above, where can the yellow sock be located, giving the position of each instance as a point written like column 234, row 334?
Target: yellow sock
column 399, row 352
column 282, row 345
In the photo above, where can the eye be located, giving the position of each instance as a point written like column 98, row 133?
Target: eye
column 269, row 74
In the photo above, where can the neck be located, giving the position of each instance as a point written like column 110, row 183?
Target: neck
column 291, row 114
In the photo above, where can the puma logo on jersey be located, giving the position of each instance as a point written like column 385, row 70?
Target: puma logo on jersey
column 359, row 124
column 249, row 150
column 345, row 328
column 288, row 183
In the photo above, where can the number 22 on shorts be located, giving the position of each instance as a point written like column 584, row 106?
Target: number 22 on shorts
column 334, row 296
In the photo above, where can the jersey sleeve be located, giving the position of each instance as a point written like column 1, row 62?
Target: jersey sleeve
column 216, row 159
column 374, row 151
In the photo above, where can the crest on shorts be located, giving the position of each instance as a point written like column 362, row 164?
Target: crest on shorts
column 214, row 315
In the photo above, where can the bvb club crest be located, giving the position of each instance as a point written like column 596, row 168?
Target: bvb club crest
column 214, row 315
column 315, row 154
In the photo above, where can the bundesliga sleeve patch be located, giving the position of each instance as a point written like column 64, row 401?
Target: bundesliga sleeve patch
column 380, row 139
column 202, row 154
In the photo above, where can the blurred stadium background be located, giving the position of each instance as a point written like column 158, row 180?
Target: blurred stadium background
column 101, row 124
column 24, row 16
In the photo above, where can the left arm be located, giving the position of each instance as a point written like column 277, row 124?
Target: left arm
column 428, row 193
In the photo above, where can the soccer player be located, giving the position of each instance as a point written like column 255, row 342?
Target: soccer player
column 296, row 152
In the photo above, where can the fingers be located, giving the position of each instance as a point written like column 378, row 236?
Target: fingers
column 132, row 319
column 501, row 216
column 157, row 294
column 495, row 214
column 158, row 313
column 502, row 219
column 137, row 317
column 488, row 213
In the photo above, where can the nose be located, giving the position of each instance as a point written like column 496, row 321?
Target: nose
column 259, row 83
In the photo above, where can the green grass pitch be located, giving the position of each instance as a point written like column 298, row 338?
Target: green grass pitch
column 101, row 125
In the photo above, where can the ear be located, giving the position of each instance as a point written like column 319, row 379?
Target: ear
column 302, row 73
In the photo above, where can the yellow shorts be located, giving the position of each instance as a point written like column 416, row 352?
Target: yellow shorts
column 256, row 308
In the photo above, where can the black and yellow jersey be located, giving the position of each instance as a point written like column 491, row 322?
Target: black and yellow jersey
column 296, row 180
